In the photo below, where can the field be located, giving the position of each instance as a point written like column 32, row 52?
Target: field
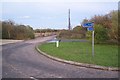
column 105, row 55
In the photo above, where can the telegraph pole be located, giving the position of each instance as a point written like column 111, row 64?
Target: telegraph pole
column 69, row 24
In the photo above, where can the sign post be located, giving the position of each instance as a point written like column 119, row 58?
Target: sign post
column 93, row 43
column 89, row 26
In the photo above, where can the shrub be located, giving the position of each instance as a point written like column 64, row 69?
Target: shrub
column 101, row 34
column 12, row 31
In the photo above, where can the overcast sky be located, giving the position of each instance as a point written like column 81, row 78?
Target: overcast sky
column 54, row 14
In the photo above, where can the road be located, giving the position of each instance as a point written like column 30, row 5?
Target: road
column 21, row 60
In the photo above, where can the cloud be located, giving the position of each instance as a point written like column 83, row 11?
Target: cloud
column 24, row 17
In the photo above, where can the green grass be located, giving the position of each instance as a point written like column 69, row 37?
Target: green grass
column 105, row 55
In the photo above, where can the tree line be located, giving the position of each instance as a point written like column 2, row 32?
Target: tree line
column 105, row 27
column 45, row 30
column 77, row 32
column 10, row 30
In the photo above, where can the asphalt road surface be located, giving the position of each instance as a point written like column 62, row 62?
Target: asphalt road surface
column 21, row 60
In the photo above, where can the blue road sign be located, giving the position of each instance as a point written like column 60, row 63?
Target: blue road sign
column 88, row 24
column 90, row 29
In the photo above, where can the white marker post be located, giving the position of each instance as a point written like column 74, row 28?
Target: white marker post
column 93, row 43
column 57, row 43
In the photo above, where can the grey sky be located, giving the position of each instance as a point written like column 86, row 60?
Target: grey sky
column 46, row 14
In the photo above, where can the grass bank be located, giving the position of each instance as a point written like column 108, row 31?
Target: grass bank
column 105, row 55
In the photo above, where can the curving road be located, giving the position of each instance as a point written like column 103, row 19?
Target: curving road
column 21, row 60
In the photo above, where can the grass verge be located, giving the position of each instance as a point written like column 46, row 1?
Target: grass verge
column 105, row 55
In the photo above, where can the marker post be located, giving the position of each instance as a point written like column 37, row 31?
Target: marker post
column 57, row 43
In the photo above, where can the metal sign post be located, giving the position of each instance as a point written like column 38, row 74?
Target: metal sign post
column 93, row 43
column 89, row 26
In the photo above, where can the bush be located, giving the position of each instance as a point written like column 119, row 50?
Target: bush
column 65, row 34
column 101, row 34
column 78, row 32
column 12, row 31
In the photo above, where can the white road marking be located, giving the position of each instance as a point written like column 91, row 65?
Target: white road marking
column 33, row 78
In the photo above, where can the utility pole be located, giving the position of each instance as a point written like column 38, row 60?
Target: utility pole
column 69, row 24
